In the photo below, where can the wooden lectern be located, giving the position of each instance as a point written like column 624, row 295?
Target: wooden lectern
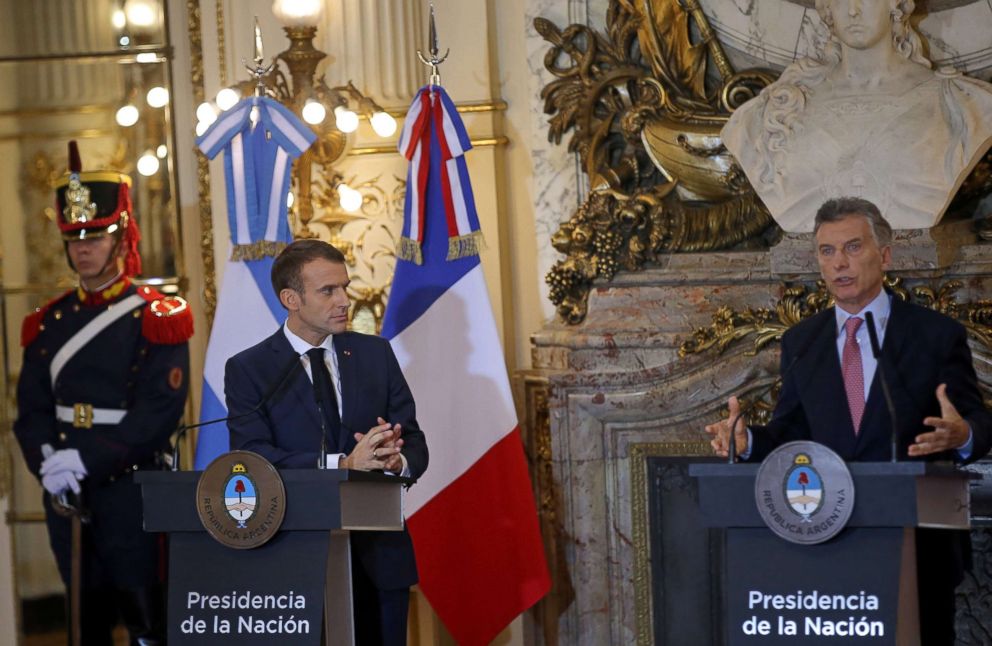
column 279, row 592
column 859, row 586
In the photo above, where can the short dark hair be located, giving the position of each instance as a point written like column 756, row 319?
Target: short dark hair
column 839, row 208
column 288, row 265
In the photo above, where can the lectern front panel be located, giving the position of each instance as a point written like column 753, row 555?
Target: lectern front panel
column 273, row 594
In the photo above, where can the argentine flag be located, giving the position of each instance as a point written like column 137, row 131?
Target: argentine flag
column 472, row 515
column 260, row 139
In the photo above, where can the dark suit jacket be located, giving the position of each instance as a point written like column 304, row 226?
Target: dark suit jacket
column 922, row 349
column 287, row 432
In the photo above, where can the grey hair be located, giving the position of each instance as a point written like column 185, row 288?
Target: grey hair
column 839, row 208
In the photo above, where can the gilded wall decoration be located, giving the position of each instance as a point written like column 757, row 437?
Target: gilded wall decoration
column 645, row 121
column 368, row 238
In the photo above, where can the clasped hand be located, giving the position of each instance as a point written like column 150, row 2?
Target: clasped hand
column 377, row 449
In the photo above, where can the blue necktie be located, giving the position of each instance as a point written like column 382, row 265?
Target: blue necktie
column 324, row 389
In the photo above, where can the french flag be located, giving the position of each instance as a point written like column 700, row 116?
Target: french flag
column 472, row 515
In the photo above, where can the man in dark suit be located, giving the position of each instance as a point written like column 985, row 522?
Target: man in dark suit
column 345, row 382
column 830, row 394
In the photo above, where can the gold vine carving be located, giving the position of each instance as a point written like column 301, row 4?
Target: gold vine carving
column 645, row 123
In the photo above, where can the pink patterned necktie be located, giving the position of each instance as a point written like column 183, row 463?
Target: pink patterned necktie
column 854, row 376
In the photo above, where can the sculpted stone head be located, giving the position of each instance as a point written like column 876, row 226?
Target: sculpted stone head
column 860, row 24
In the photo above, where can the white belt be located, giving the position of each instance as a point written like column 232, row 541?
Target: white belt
column 85, row 416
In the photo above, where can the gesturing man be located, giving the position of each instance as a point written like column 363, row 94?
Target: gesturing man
column 832, row 394
column 350, row 397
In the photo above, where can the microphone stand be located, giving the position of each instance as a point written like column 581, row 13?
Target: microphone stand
column 732, row 443
column 876, row 351
column 184, row 428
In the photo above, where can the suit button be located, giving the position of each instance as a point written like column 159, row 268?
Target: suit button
column 62, row 437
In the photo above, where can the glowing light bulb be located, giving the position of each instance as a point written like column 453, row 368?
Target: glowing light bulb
column 201, row 128
column 162, row 151
column 298, row 13
column 290, row 200
column 345, row 119
column 350, row 199
column 314, row 112
column 118, row 19
column 157, row 97
column 146, row 57
column 127, row 116
column 206, row 113
column 141, row 13
column 227, row 98
column 383, row 124
column 148, row 164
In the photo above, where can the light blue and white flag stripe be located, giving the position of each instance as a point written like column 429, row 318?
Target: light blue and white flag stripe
column 257, row 163
column 247, row 312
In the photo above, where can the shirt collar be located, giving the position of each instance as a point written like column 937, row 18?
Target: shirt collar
column 300, row 346
column 880, row 307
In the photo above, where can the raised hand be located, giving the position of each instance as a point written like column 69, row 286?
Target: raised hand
column 721, row 431
column 950, row 429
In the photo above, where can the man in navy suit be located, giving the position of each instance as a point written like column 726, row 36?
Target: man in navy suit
column 348, row 396
column 830, row 394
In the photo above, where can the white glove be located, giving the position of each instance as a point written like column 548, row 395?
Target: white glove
column 56, row 483
column 65, row 460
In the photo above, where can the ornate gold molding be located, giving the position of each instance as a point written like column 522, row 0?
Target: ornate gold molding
column 87, row 133
column 59, row 110
column 536, row 435
column 368, row 239
column 221, row 46
column 391, row 148
column 612, row 232
column 639, row 454
column 193, row 20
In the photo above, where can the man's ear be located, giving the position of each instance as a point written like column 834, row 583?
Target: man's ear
column 886, row 258
column 290, row 299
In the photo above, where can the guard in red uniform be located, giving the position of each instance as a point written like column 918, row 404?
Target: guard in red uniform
column 102, row 387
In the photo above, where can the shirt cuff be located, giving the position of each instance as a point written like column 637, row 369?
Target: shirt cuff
column 333, row 460
column 404, row 472
column 964, row 451
column 745, row 455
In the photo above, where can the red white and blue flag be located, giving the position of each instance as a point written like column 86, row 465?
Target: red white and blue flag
column 472, row 516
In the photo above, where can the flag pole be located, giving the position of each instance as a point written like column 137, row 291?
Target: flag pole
column 433, row 61
column 259, row 70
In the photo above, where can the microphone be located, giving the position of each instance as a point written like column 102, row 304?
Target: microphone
column 876, row 351
column 732, row 444
column 275, row 387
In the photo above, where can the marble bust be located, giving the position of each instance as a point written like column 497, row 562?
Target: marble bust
column 868, row 117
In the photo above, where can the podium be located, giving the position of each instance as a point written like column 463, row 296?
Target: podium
column 860, row 585
column 279, row 592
